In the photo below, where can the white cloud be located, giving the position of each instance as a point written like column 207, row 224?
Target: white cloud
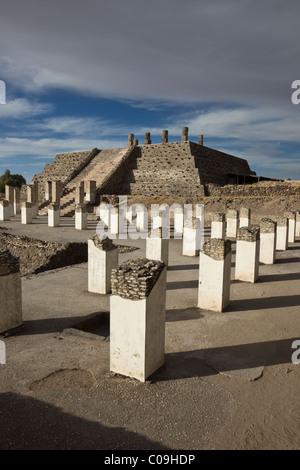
column 21, row 107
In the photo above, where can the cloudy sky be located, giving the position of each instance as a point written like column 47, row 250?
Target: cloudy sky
column 83, row 74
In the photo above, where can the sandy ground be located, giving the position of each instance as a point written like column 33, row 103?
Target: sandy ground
column 228, row 380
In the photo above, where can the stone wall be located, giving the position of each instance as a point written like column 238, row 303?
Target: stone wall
column 37, row 256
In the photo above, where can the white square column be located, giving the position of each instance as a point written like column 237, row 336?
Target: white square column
column 297, row 229
column 102, row 259
column 267, row 251
column 157, row 248
column 214, row 275
column 53, row 215
column 26, row 213
column 231, row 223
column 244, row 217
column 247, row 254
column 9, row 196
column 10, row 292
column 291, row 216
column 191, row 242
column 90, row 191
column 81, row 217
column 137, row 318
column 17, row 207
column 217, row 225
column 282, row 234
column 4, row 210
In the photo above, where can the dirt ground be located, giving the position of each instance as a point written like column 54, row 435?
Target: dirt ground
column 228, row 381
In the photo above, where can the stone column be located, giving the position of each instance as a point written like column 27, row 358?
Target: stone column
column 141, row 218
column 136, row 142
column 157, row 248
column 282, row 234
column 114, row 221
column 130, row 140
column 137, row 318
column 231, row 223
column 79, row 193
column 267, row 241
column 81, row 217
column 26, row 213
column 17, row 209
column 53, row 214
column 10, row 292
column 147, row 139
column 191, row 237
column 218, row 225
column 102, row 259
column 247, row 254
column 4, row 210
column 245, row 215
column 164, row 137
column 297, row 230
column 201, row 139
column 178, row 222
column 57, row 188
column 185, row 134
column 291, row 216
column 9, row 196
column 90, row 192
column 48, row 190
column 31, row 197
column 214, row 275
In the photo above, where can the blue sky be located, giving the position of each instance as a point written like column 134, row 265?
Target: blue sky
column 81, row 75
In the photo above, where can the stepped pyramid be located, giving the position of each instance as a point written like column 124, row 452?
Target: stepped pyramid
column 170, row 168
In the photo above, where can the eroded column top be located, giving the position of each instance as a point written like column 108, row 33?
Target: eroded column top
column 267, row 226
column 218, row 217
column 216, row 248
column 134, row 279
column 104, row 244
column 248, row 234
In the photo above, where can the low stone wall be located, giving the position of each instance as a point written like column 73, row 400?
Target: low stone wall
column 257, row 189
column 37, row 256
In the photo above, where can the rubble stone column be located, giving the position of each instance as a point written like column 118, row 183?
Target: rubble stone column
column 245, row 215
column 157, row 248
column 53, row 214
column 147, row 139
column 282, row 234
column 17, row 209
column 184, row 134
column 90, row 192
column 81, row 217
column 247, row 254
column 214, row 275
column 9, row 196
column 231, row 223
column 26, row 213
column 267, row 241
column 191, row 237
column 4, row 210
column 102, row 259
column 218, row 225
column 130, row 140
column 79, row 193
column 164, row 137
column 137, row 318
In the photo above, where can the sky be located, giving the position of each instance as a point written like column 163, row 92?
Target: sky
column 80, row 75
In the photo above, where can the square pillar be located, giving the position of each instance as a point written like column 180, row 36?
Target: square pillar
column 102, row 259
column 282, row 234
column 247, row 254
column 137, row 318
column 48, row 191
column 81, row 217
column 114, row 221
column 141, row 218
column 245, row 215
column 191, row 237
column 31, row 197
column 297, row 229
column 291, row 216
column 157, row 248
column 10, row 292
column 178, row 223
column 53, row 214
column 231, row 223
column 9, row 196
column 217, row 225
column 57, row 188
column 4, row 210
column 214, row 275
column 17, row 207
column 79, row 193
column 90, row 191
column 26, row 213
column 267, row 249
